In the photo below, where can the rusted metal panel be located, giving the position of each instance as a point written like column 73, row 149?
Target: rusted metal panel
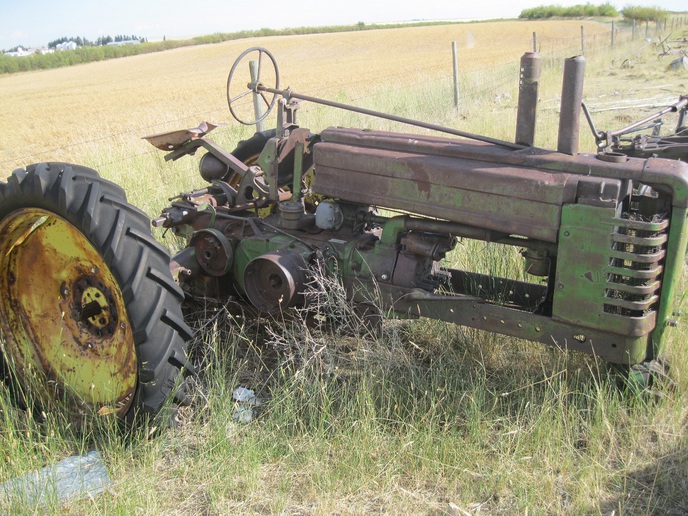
column 422, row 179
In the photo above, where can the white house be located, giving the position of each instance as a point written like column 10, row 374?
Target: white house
column 20, row 52
column 67, row 45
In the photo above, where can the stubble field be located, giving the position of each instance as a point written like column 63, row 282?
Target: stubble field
column 63, row 113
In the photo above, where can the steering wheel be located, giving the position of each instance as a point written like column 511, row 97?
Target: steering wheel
column 254, row 86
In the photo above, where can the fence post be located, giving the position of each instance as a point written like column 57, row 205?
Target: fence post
column 582, row 40
column 613, row 31
column 633, row 30
column 257, row 106
column 535, row 49
column 455, row 61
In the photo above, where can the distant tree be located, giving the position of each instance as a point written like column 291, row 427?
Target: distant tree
column 58, row 41
column 643, row 14
column 120, row 38
column 9, row 64
column 575, row 11
column 608, row 10
column 80, row 42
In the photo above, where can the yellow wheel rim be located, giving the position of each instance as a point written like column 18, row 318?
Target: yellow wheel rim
column 67, row 337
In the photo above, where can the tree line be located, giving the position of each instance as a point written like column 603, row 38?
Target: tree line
column 84, row 54
column 102, row 40
column 83, row 42
column 607, row 10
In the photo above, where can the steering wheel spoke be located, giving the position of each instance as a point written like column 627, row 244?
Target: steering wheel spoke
column 241, row 95
column 267, row 102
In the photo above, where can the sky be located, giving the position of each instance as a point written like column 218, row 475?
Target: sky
column 34, row 23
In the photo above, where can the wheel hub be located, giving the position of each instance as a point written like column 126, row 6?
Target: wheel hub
column 94, row 307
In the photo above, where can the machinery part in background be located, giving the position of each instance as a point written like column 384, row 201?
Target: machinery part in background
column 537, row 262
column 90, row 318
column 247, row 151
column 673, row 145
column 329, row 216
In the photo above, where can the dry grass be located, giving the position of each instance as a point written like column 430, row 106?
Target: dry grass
column 430, row 418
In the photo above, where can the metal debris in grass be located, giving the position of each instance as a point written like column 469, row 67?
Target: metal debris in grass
column 78, row 476
column 246, row 401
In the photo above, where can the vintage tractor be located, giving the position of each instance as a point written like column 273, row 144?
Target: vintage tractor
column 92, row 317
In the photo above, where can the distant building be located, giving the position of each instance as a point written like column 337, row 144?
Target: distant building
column 20, row 52
column 67, row 45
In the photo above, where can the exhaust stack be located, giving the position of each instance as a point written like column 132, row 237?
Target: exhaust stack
column 529, row 80
column 571, row 100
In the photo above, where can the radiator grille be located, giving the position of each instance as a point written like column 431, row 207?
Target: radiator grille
column 635, row 265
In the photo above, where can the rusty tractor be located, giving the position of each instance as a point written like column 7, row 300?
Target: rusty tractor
column 101, row 329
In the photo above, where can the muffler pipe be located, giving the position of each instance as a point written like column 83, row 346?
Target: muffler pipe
column 528, row 82
column 571, row 100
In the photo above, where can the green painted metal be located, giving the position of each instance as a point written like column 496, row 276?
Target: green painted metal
column 673, row 273
column 582, row 265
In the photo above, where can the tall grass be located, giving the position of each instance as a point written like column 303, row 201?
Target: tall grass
column 423, row 417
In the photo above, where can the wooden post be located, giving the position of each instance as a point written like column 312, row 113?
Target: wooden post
column 613, row 31
column 535, row 48
column 257, row 106
column 455, row 60
column 633, row 30
column 582, row 40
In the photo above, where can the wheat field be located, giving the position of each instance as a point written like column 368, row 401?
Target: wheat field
column 54, row 114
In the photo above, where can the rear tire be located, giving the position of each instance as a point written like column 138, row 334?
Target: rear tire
column 90, row 319
column 247, row 151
